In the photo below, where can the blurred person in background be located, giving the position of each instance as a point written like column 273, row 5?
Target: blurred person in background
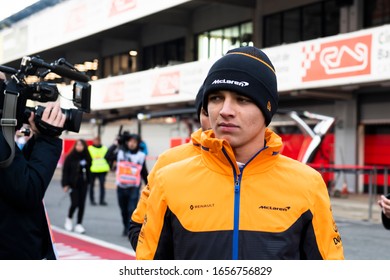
column 113, row 149
column 131, row 170
column 99, row 170
column 76, row 176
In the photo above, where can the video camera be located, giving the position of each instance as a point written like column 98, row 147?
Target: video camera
column 15, row 92
column 43, row 91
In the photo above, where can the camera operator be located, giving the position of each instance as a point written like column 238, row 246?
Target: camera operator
column 24, row 229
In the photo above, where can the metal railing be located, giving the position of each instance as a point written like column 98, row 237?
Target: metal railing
column 371, row 171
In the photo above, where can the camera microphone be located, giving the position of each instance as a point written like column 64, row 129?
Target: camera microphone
column 8, row 70
column 60, row 70
column 73, row 75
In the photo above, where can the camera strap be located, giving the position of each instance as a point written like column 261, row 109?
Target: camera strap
column 8, row 123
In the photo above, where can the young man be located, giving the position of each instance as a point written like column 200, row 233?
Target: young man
column 239, row 199
column 169, row 156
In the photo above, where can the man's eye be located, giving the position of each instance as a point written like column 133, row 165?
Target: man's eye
column 244, row 100
column 214, row 97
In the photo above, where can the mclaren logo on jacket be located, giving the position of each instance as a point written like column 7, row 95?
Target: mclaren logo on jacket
column 274, row 208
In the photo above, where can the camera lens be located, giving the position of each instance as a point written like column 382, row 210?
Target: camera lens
column 73, row 119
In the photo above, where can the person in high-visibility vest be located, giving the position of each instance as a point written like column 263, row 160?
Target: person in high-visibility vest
column 99, row 169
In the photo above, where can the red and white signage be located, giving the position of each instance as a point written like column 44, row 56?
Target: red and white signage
column 114, row 92
column 167, row 84
column 121, row 6
column 337, row 59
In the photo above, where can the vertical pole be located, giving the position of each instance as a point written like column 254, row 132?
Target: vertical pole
column 385, row 180
column 139, row 128
column 99, row 128
column 370, row 196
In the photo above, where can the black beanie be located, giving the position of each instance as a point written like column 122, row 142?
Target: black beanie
column 247, row 71
column 198, row 102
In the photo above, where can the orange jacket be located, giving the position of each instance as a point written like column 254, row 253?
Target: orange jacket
column 206, row 207
column 169, row 156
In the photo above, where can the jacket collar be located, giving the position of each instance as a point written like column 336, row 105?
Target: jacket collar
column 196, row 137
column 218, row 154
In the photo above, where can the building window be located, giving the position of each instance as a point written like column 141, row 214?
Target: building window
column 376, row 12
column 163, row 54
column 118, row 64
column 312, row 21
column 273, row 30
column 291, row 25
column 303, row 23
column 331, row 18
column 215, row 43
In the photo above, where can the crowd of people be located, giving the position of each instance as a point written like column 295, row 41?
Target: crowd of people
column 237, row 196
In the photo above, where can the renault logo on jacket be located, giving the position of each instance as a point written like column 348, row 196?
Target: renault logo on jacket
column 199, row 206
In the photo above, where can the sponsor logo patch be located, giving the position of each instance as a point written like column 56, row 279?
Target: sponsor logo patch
column 274, row 208
column 231, row 82
column 200, row 206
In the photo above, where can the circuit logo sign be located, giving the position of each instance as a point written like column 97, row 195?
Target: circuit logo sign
column 167, row 84
column 76, row 19
column 114, row 92
column 121, row 6
column 337, row 59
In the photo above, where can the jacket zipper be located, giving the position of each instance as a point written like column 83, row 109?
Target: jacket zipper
column 237, row 193
column 236, row 218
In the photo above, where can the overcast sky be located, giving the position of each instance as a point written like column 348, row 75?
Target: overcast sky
column 9, row 7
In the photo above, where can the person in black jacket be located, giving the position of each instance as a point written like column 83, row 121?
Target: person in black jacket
column 384, row 203
column 75, row 178
column 24, row 229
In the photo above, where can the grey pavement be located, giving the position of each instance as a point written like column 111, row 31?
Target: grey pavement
column 101, row 222
column 357, row 217
column 357, row 207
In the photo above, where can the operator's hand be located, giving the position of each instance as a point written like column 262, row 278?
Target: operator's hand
column 66, row 188
column 384, row 203
column 51, row 115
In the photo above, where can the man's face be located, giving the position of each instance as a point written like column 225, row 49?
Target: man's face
column 237, row 119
